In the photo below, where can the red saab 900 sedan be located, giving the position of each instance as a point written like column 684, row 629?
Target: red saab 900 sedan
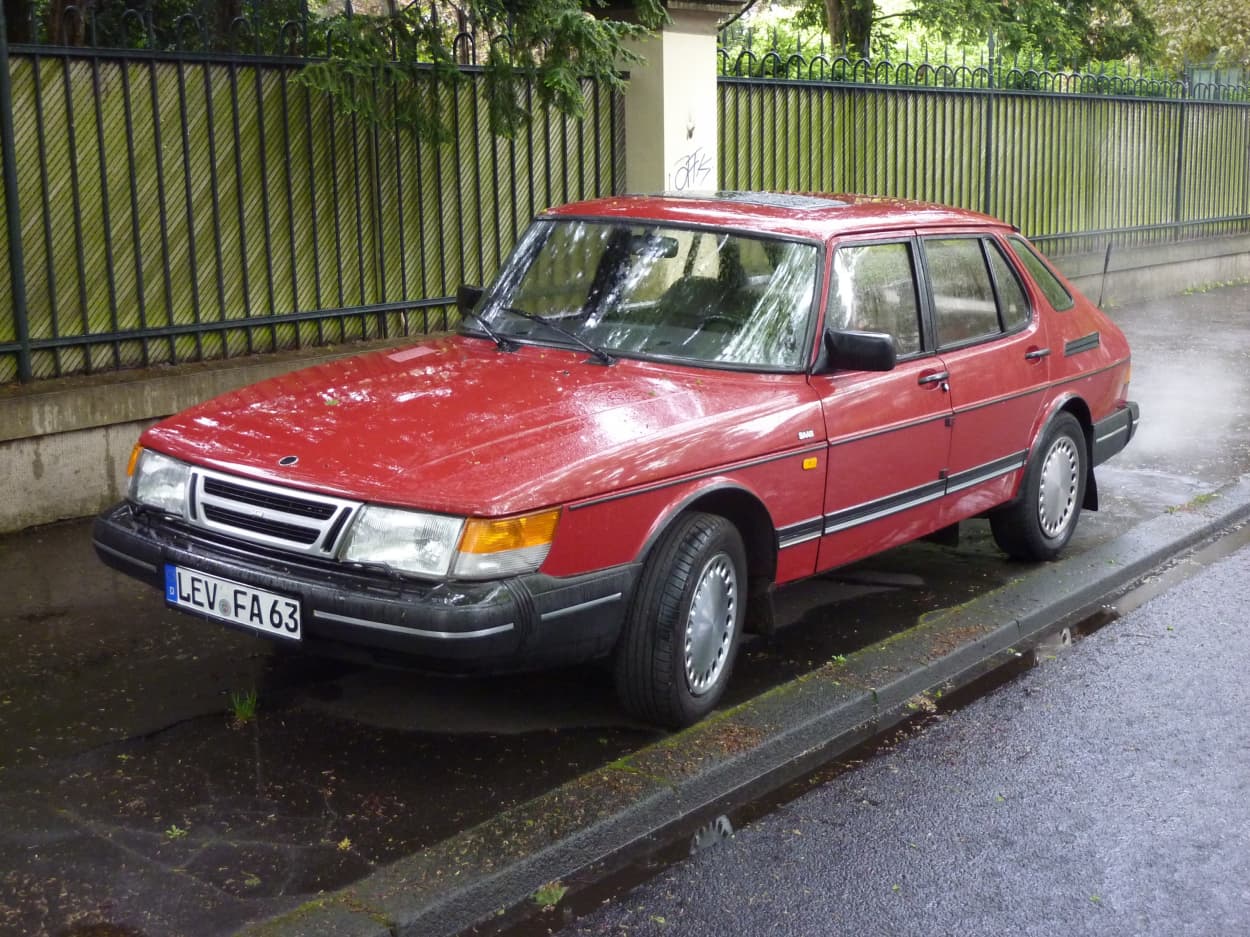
column 663, row 408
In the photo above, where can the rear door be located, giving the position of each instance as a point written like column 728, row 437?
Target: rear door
column 994, row 350
column 887, row 432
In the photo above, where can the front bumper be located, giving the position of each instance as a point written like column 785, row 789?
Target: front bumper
column 519, row 623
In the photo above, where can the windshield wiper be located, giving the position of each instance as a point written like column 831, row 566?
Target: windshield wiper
column 503, row 343
column 598, row 353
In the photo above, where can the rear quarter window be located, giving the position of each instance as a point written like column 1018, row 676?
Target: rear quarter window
column 1046, row 281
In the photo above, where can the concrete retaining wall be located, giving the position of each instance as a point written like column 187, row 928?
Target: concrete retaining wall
column 1142, row 273
column 64, row 444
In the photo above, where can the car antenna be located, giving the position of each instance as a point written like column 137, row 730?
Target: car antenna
column 1106, row 262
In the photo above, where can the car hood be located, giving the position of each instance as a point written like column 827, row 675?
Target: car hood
column 456, row 425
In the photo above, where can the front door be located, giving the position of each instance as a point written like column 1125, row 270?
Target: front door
column 888, row 433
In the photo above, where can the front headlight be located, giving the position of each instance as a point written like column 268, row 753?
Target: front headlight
column 437, row 545
column 407, row 540
column 160, row 482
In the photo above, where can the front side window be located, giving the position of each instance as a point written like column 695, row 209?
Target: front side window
column 874, row 290
column 964, row 309
column 706, row 296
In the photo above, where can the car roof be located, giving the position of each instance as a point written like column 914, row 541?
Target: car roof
column 788, row 214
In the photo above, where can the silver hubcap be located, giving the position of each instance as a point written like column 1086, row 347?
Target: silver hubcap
column 1056, row 495
column 710, row 626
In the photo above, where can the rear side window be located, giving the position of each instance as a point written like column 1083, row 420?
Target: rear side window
column 1051, row 288
column 1011, row 298
column 874, row 290
column 963, row 296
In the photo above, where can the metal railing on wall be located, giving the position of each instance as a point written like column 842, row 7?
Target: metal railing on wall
column 1074, row 158
column 185, row 199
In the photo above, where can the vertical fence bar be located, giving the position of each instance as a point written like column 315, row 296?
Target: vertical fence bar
column 136, row 230
column 17, row 268
column 1178, row 202
column 105, row 208
column 158, row 149
column 188, row 195
column 46, row 209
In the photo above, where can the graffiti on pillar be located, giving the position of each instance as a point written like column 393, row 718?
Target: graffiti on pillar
column 690, row 171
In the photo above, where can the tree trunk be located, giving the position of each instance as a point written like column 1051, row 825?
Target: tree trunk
column 67, row 24
column 220, row 16
column 837, row 29
column 859, row 15
column 850, row 23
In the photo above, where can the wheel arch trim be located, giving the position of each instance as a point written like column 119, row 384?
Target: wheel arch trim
column 746, row 511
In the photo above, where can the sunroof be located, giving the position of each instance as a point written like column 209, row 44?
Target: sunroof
column 792, row 201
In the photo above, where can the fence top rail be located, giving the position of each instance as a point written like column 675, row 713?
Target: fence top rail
column 991, row 72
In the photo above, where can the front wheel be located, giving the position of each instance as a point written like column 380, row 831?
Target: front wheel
column 682, row 629
column 1039, row 524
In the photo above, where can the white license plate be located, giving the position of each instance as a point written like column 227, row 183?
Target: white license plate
column 275, row 615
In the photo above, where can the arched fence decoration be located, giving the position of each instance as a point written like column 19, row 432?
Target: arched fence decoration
column 1076, row 159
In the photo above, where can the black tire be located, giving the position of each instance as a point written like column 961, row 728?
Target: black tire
column 1040, row 522
column 684, row 623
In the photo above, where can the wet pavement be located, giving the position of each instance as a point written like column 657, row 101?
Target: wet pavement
column 135, row 799
column 1078, row 799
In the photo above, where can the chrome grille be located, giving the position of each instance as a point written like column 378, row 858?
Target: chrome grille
column 268, row 514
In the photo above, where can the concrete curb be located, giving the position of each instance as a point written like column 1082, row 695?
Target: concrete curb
column 744, row 751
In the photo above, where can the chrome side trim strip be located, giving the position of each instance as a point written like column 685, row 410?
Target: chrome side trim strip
column 580, row 606
column 984, row 473
column 793, row 534
column 883, row 507
column 1115, row 432
column 803, row 538
column 417, row 632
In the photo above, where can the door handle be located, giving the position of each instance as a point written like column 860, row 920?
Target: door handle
column 937, row 377
column 1037, row 354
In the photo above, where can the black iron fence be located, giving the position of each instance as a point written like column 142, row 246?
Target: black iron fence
column 1074, row 158
column 184, row 205
column 185, row 199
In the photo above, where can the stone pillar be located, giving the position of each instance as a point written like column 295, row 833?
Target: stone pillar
column 671, row 110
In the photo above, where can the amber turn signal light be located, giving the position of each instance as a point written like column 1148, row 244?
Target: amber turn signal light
column 491, row 535
column 134, row 460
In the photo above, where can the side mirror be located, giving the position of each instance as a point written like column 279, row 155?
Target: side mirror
column 467, row 297
column 859, row 351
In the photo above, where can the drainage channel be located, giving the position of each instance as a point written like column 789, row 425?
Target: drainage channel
column 598, row 884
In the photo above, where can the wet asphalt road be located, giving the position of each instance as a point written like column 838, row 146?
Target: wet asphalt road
column 130, row 796
column 1104, row 792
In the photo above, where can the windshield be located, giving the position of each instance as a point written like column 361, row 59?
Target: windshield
column 635, row 289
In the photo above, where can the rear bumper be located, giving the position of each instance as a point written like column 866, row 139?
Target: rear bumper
column 1113, row 433
column 511, row 624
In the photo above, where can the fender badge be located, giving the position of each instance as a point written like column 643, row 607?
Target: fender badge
column 288, row 460
column 807, row 434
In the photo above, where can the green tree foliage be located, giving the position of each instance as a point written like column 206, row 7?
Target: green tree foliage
column 1207, row 31
column 394, row 68
column 1078, row 31
column 163, row 25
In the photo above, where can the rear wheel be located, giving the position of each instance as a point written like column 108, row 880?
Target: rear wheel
column 1039, row 524
column 682, row 630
